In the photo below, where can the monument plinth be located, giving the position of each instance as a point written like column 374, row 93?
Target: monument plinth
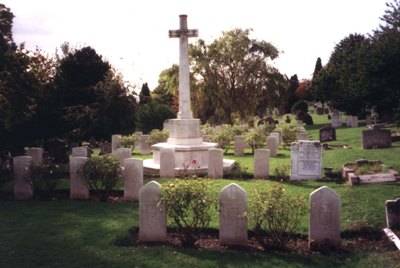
column 184, row 132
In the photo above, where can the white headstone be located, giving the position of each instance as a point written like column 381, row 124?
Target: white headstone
column 278, row 134
column 36, row 154
column 80, row 152
column 78, row 187
column 352, row 121
column 184, row 75
column 22, row 184
column 273, row 145
column 115, row 142
column 122, row 154
column 143, row 147
column 233, row 215
column 167, row 163
column 240, row 144
column 215, row 163
column 261, row 163
column 152, row 215
column 133, row 178
column 306, row 160
column 336, row 119
column 324, row 229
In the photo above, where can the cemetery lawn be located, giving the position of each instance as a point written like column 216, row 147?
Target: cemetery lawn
column 70, row 233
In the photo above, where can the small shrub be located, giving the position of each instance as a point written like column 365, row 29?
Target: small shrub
column 289, row 133
column 157, row 136
column 45, row 177
column 207, row 129
column 288, row 120
column 306, row 118
column 281, row 172
column 101, row 174
column 255, row 138
column 188, row 203
column 275, row 213
column 128, row 141
column 224, row 137
column 300, row 106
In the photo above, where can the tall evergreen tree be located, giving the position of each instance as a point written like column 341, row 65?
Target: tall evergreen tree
column 317, row 69
column 144, row 95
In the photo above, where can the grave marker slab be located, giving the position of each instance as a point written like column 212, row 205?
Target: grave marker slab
column 167, row 163
column 143, row 147
column 36, row 154
column 327, row 133
column 233, row 215
column 324, row 228
column 273, row 145
column 115, row 143
column 376, row 138
column 261, row 163
column 215, row 163
column 78, row 187
column 133, row 178
column 80, row 152
column 306, row 160
column 240, row 144
column 393, row 213
column 22, row 183
column 122, row 154
column 336, row 119
column 152, row 216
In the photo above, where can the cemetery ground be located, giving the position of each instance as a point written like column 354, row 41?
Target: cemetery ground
column 70, row 233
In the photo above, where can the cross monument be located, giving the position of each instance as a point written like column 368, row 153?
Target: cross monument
column 184, row 76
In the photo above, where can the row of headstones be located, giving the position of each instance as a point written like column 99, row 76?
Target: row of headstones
column 215, row 163
column 132, row 173
column 324, row 228
column 273, row 142
column 141, row 145
column 336, row 120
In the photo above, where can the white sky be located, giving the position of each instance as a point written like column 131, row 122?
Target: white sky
column 133, row 35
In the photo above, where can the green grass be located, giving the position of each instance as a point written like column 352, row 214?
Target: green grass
column 72, row 233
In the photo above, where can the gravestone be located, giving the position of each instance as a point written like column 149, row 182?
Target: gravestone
column 261, row 163
column 215, row 163
column 122, row 154
column 57, row 149
column 336, row 118
column 273, row 145
column 143, row 146
column 327, row 133
column 137, row 144
column 133, row 178
column 277, row 134
column 303, row 136
column 78, row 187
column 22, row 183
column 81, row 152
column 167, row 163
column 36, row 154
column 306, row 160
column 324, row 228
column 115, row 143
column 299, row 123
column 240, row 144
column 352, row 121
column 320, row 110
column 105, row 148
column 368, row 120
column 152, row 215
column 376, row 138
column 233, row 215
column 393, row 213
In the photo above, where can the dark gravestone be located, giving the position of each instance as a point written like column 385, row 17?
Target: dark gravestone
column 393, row 213
column 57, row 149
column 327, row 133
column 376, row 138
column 105, row 148
column 320, row 111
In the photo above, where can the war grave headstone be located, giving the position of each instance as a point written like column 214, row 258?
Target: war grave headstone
column 78, row 187
column 393, row 220
column 336, row 119
column 167, row 163
column 306, row 160
column 36, row 154
column 261, row 163
column 133, row 178
column 324, row 228
column 327, row 133
column 215, row 163
column 233, row 215
column 273, row 145
column 81, row 152
column 115, row 143
column 22, row 184
column 376, row 138
column 239, row 145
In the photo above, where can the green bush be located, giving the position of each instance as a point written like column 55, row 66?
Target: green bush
column 274, row 215
column 45, row 177
column 224, row 137
column 128, row 141
column 152, row 116
column 289, row 133
column 281, row 172
column 157, row 136
column 101, row 174
column 300, row 106
column 188, row 203
column 255, row 138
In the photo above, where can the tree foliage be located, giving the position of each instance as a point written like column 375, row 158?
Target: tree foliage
column 144, row 95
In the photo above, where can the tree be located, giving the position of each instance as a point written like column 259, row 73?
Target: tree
column 291, row 97
column 152, row 116
column 317, row 68
column 166, row 91
column 230, row 73
column 144, row 95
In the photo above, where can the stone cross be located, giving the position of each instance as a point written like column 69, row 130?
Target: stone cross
column 184, row 77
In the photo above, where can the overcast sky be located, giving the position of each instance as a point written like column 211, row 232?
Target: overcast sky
column 133, row 35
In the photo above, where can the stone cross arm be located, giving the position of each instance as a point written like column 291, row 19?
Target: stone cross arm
column 185, row 32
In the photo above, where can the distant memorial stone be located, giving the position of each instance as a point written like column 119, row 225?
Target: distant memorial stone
column 152, row 216
column 36, row 154
column 273, row 145
column 22, row 184
column 215, row 163
column 167, row 163
column 57, row 150
column 352, row 121
column 324, row 229
column 261, row 163
column 393, row 214
column 306, row 160
column 143, row 146
column 115, row 143
column 327, row 133
column 277, row 134
column 233, row 215
column 376, row 138
column 240, row 144
column 80, row 152
column 133, row 178
column 78, row 187
column 105, row 148
column 336, row 119
column 122, row 154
